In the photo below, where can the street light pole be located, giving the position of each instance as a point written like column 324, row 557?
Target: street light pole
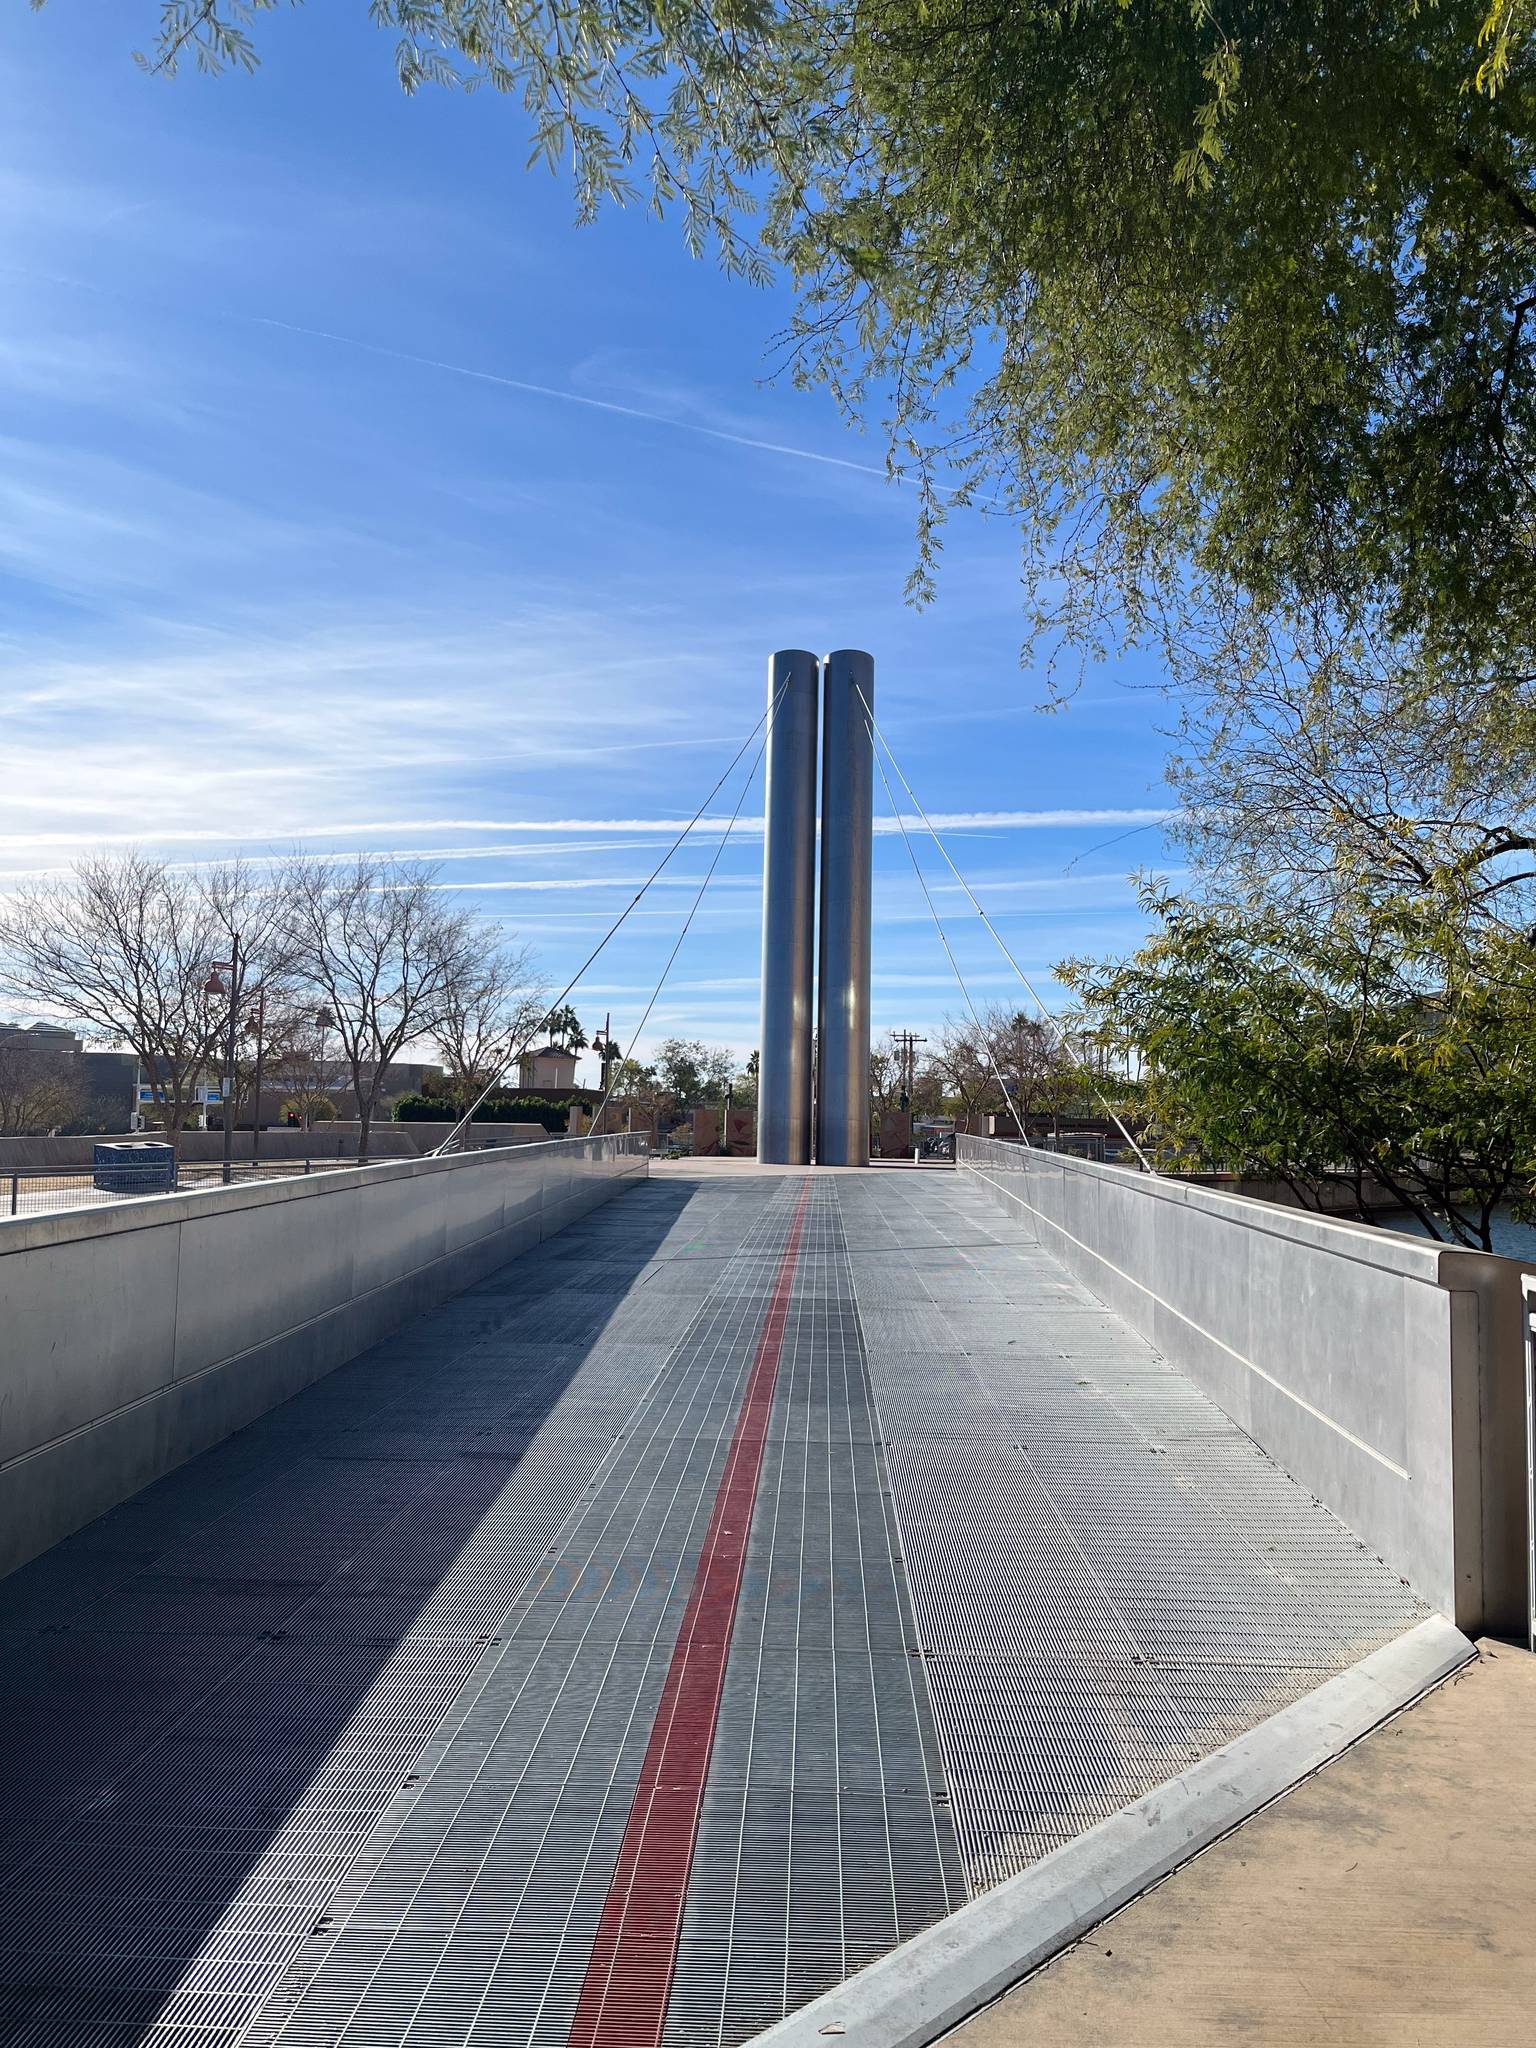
column 261, row 1051
column 323, row 1022
column 215, row 987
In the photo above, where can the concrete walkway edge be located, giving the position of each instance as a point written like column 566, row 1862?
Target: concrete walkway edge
column 963, row 1962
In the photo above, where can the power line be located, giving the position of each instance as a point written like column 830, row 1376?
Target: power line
column 1046, row 1014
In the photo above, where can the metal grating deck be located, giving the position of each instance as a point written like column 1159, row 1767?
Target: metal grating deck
column 338, row 1733
column 1111, row 1579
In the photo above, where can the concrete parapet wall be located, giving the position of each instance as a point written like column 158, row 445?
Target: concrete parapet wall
column 133, row 1337
column 1384, row 1372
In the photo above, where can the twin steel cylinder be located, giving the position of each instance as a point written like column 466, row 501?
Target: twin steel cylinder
column 785, row 1086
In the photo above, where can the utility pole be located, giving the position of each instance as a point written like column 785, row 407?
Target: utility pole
column 906, row 1043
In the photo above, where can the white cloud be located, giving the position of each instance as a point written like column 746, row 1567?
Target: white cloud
column 362, row 831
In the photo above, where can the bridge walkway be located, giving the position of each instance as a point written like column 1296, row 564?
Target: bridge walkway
column 641, row 1642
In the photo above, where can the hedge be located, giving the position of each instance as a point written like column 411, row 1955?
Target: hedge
column 496, row 1109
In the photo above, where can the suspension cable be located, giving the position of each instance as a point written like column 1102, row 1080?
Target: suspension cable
column 677, row 945
column 504, row 1058
column 938, row 924
column 1047, row 1015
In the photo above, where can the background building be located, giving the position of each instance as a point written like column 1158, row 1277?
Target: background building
column 51, row 1081
column 547, row 1067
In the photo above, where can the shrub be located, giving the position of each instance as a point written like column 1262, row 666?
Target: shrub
column 496, row 1109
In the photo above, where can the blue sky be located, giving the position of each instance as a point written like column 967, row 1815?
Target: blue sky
column 289, row 554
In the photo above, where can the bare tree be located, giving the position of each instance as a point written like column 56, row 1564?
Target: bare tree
column 125, row 948
column 296, row 1063
column 487, row 1012
column 1344, row 771
column 383, row 948
column 959, row 1059
column 888, row 1077
column 1027, row 1055
column 886, row 1074
column 39, row 1089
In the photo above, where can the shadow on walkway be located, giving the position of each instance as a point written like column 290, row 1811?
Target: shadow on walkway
column 211, row 1694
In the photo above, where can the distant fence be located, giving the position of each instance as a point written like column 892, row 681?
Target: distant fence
column 1384, row 1372
column 135, row 1335
column 31, row 1189
column 334, row 1140
column 36, row 1190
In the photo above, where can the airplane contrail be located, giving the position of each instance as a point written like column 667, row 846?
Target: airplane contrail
column 631, row 412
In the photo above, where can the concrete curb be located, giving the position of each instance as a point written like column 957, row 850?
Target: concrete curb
column 951, row 1970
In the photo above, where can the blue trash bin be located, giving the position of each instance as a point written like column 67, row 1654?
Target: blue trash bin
column 141, row 1168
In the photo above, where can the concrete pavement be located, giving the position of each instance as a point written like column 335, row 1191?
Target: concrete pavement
column 1386, row 1903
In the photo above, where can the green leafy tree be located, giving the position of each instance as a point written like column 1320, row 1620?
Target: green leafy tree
column 692, row 1072
column 637, row 1085
column 1232, row 306
column 1334, row 1054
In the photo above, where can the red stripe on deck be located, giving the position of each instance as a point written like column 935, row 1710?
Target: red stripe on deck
column 629, row 1978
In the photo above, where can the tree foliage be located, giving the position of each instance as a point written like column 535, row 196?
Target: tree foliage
column 1232, row 307
column 564, row 1028
column 553, row 1112
column 692, row 1072
column 744, row 1082
column 635, row 1082
column 1335, row 1054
